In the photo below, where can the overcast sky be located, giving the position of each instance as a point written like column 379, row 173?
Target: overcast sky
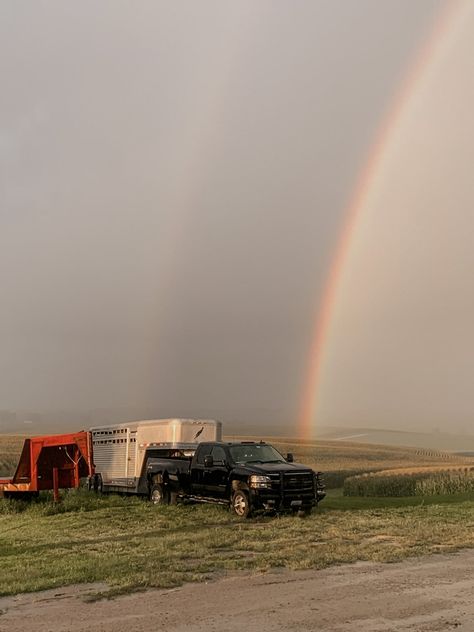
column 173, row 181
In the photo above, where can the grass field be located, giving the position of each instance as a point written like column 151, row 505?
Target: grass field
column 131, row 545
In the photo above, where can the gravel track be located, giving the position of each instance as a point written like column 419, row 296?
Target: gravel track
column 423, row 595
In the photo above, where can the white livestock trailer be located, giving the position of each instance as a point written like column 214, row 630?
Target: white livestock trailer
column 119, row 449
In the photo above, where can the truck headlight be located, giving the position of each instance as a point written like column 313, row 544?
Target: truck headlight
column 260, row 482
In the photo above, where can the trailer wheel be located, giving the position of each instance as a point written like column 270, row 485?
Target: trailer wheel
column 96, row 484
column 159, row 495
column 240, row 504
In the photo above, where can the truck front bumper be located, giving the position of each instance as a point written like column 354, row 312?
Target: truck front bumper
column 268, row 500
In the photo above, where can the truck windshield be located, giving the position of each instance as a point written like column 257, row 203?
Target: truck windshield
column 255, row 453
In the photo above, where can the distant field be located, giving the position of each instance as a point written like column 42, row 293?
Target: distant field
column 10, row 449
column 338, row 460
column 450, row 440
column 416, row 481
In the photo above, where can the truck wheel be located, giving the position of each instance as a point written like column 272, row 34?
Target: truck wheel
column 304, row 512
column 240, row 504
column 159, row 495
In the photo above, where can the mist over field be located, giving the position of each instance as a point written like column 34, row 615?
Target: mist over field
column 174, row 181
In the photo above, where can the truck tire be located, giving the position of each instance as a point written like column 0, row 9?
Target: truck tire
column 159, row 495
column 240, row 503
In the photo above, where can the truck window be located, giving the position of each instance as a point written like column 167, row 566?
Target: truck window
column 203, row 451
column 255, row 453
column 218, row 454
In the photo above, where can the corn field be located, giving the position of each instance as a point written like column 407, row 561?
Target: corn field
column 419, row 482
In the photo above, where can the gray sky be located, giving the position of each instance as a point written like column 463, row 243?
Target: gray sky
column 401, row 349
column 173, row 179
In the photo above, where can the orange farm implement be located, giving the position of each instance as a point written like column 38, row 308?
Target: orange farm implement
column 51, row 462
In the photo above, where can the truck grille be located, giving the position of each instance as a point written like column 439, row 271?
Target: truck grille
column 300, row 482
column 293, row 482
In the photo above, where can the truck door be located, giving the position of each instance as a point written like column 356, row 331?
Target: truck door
column 197, row 470
column 215, row 477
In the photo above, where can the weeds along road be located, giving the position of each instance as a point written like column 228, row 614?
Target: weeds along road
column 423, row 595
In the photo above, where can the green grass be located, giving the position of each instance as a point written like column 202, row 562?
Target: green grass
column 131, row 545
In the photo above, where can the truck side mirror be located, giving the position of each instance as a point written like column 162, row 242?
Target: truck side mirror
column 208, row 460
column 289, row 457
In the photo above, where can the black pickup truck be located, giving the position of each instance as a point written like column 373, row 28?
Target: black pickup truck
column 247, row 476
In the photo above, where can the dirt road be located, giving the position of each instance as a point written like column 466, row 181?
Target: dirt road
column 428, row 594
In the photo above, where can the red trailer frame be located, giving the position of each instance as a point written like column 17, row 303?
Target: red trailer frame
column 50, row 463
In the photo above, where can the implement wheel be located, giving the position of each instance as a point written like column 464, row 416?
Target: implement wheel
column 240, row 504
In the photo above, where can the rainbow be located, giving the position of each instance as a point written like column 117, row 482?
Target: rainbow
column 432, row 48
